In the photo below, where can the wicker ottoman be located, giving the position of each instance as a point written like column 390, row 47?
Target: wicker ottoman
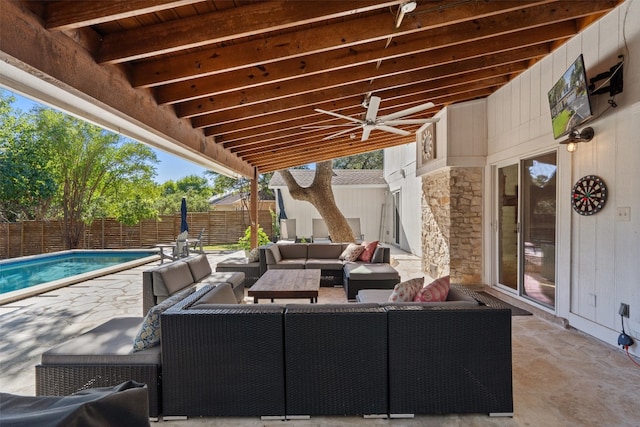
column 101, row 357
column 359, row 276
column 251, row 270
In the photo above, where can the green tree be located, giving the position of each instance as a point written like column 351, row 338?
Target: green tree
column 27, row 185
column 223, row 184
column 370, row 160
column 96, row 171
column 196, row 189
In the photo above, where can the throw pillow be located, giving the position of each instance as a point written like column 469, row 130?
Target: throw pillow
column 435, row 291
column 369, row 249
column 254, row 255
column 406, row 291
column 149, row 334
column 352, row 252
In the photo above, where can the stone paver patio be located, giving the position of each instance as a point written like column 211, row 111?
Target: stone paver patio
column 561, row 377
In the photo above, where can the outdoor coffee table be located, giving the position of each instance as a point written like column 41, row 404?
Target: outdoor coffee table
column 287, row 284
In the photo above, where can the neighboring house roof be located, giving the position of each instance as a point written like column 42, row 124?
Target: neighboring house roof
column 304, row 177
column 229, row 199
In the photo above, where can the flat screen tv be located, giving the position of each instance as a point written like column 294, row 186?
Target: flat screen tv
column 569, row 100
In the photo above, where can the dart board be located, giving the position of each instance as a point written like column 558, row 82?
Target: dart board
column 588, row 195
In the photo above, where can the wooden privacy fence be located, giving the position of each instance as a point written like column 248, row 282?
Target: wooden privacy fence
column 37, row 237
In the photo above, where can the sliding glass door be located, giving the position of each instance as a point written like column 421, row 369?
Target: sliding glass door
column 525, row 231
column 508, row 226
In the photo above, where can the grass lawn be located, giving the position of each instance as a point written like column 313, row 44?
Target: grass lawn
column 223, row 247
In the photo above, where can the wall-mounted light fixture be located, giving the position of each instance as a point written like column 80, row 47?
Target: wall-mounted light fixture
column 405, row 8
column 576, row 136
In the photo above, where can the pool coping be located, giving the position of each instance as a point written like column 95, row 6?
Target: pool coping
column 61, row 283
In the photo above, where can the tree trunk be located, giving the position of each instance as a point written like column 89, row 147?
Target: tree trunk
column 320, row 195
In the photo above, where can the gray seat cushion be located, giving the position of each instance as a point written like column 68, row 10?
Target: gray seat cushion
column 381, row 296
column 324, row 264
column 219, row 294
column 324, row 251
column 174, row 277
column 199, row 267
column 297, row 263
column 230, row 263
column 109, row 343
column 293, row 251
column 360, row 271
column 234, row 278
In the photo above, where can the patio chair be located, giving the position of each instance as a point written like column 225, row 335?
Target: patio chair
column 288, row 229
column 319, row 231
column 354, row 223
column 198, row 243
column 181, row 249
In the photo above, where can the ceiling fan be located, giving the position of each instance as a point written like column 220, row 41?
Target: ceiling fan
column 371, row 121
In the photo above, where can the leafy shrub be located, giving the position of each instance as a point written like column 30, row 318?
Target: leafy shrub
column 245, row 242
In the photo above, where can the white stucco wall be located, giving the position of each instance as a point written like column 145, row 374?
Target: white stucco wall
column 400, row 174
column 362, row 201
column 598, row 256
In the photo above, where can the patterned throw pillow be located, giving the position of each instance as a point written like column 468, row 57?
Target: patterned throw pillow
column 352, row 252
column 149, row 334
column 369, row 249
column 435, row 291
column 254, row 255
column 406, row 291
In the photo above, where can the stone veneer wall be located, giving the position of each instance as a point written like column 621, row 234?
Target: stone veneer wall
column 452, row 224
column 435, row 223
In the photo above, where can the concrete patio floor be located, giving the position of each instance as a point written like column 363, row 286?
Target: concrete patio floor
column 561, row 377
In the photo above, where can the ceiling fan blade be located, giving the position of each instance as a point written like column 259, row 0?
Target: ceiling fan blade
column 326, row 126
column 393, row 130
column 366, row 130
column 341, row 133
column 409, row 121
column 372, row 110
column 407, row 111
column 340, row 116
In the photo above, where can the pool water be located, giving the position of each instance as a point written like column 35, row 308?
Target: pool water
column 31, row 271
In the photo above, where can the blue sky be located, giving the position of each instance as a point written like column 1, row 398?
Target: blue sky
column 169, row 167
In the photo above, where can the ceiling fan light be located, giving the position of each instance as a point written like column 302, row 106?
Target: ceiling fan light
column 572, row 146
column 404, row 8
column 408, row 7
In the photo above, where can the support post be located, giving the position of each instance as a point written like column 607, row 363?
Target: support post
column 253, row 206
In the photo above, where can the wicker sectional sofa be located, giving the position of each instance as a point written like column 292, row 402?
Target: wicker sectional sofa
column 220, row 358
column 377, row 274
column 159, row 283
column 390, row 359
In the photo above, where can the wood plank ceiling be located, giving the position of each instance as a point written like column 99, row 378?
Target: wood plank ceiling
column 249, row 74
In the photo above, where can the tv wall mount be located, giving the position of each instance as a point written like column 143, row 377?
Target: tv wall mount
column 614, row 80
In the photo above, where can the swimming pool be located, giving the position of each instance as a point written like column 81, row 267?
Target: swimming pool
column 27, row 276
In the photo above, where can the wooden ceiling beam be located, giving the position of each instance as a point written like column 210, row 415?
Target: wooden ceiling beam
column 69, row 15
column 336, row 60
column 317, row 99
column 298, row 143
column 225, row 25
column 364, row 73
column 337, row 98
column 259, row 53
column 274, row 131
column 28, row 46
column 318, row 154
